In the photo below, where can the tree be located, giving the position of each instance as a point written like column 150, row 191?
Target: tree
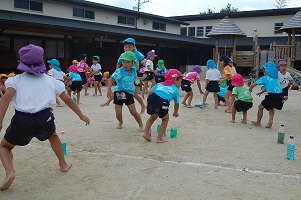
column 228, row 9
column 209, row 11
column 281, row 3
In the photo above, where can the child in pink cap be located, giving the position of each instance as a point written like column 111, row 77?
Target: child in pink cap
column 33, row 110
column 158, row 102
column 243, row 96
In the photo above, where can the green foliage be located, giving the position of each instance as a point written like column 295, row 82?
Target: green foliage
column 227, row 9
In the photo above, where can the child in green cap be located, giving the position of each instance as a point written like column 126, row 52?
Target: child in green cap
column 160, row 71
column 125, row 89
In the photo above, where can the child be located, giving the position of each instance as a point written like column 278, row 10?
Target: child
column 67, row 78
column 96, row 68
column 295, row 85
column 160, row 71
column 125, row 89
column 229, row 71
column 76, row 82
column 33, row 116
column 105, row 78
column 284, row 78
column 243, row 96
column 159, row 99
column 274, row 97
column 213, row 76
column 3, row 78
column 56, row 72
column 251, row 80
column 90, row 78
column 82, row 68
column 193, row 75
column 221, row 95
column 149, row 71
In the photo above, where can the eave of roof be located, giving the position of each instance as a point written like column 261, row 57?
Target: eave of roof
column 94, row 6
column 293, row 23
column 33, row 20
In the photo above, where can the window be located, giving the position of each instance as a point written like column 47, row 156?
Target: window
column 208, row 29
column 4, row 43
column 191, row 31
column 126, row 20
column 200, row 31
column 184, row 31
column 159, row 26
column 82, row 13
column 29, row 5
column 277, row 27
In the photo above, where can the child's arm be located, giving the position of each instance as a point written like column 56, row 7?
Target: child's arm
column 143, row 61
column 199, row 86
column 109, row 92
column 143, row 77
column 71, row 104
column 176, row 110
column 252, row 86
column 118, row 65
column 4, row 103
column 261, row 92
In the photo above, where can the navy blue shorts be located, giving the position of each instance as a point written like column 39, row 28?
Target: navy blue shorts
column 83, row 76
column 157, row 105
column 230, row 86
column 159, row 79
column 76, row 85
column 220, row 98
column 25, row 126
column 242, row 105
column 213, row 86
column 186, row 85
column 285, row 91
column 122, row 97
column 273, row 100
column 98, row 78
column 150, row 76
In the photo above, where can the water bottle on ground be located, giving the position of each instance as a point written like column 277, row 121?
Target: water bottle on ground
column 291, row 147
column 174, row 128
column 158, row 130
column 281, row 133
column 64, row 142
column 74, row 97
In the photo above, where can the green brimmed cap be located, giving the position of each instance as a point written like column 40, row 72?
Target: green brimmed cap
column 128, row 55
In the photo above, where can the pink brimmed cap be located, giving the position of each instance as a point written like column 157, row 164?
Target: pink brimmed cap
column 73, row 68
column 171, row 76
column 237, row 80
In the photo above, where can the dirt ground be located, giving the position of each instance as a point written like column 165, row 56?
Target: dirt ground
column 210, row 159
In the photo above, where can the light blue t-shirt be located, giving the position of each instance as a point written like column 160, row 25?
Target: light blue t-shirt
column 222, row 91
column 271, row 85
column 169, row 93
column 139, row 57
column 124, row 80
column 75, row 77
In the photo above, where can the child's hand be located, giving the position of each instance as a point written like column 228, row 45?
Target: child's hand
column 175, row 114
column 85, row 119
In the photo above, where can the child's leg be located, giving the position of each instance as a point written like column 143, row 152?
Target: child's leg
column 190, row 99
column 145, row 89
column 139, row 99
column 271, row 118
column 99, row 88
column 233, row 111
column 244, row 117
column 86, row 89
column 204, row 98
column 107, row 103
column 259, row 116
column 164, row 123
column 228, row 101
column 148, row 124
column 215, row 100
column 95, row 88
column 118, row 111
column 185, row 98
column 56, row 146
column 78, row 96
column 153, row 83
column 136, row 115
column 6, row 155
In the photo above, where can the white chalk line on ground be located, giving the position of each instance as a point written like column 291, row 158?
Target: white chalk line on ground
column 174, row 162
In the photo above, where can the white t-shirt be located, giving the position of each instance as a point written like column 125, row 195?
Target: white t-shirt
column 149, row 63
column 34, row 92
column 58, row 75
column 213, row 75
column 284, row 79
column 96, row 67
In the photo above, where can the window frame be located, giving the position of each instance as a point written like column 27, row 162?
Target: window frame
column 200, row 33
column 208, row 29
column 278, row 25
column 191, row 31
column 126, row 20
column 30, row 5
column 182, row 30
column 161, row 26
column 84, row 13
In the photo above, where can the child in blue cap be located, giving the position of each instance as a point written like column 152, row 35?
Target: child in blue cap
column 273, row 100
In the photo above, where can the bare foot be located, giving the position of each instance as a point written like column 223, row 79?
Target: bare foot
column 94, row 95
column 256, row 123
column 86, row 94
column 119, row 126
column 190, row 107
column 78, row 103
column 228, row 111
column 244, row 121
column 215, row 107
column 58, row 105
column 141, row 128
column 66, row 168
column 143, row 108
column 232, row 121
column 160, row 140
column 100, row 95
column 184, row 103
column 104, row 104
column 8, row 181
column 269, row 125
column 146, row 137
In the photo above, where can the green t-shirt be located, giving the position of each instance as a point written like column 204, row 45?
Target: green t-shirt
column 242, row 93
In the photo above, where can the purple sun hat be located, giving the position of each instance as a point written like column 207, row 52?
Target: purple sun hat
column 31, row 59
column 196, row 68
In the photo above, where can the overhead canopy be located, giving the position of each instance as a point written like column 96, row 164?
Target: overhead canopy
column 293, row 23
column 226, row 27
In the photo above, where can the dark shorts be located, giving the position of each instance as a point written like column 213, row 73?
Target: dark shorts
column 159, row 79
column 150, row 76
column 83, row 76
column 285, row 91
column 157, row 105
column 230, row 86
column 220, row 98
column 186, row 85
column 121, row 98
column 76, row 85
column 213, row 86
column 25, row 126
column 98, row 78
column 273, row 100
column 242, row 106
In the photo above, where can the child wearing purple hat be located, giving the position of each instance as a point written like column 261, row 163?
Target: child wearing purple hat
column 285, row 79
column 149, row 71
column 33, row 110
column 193, row 75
